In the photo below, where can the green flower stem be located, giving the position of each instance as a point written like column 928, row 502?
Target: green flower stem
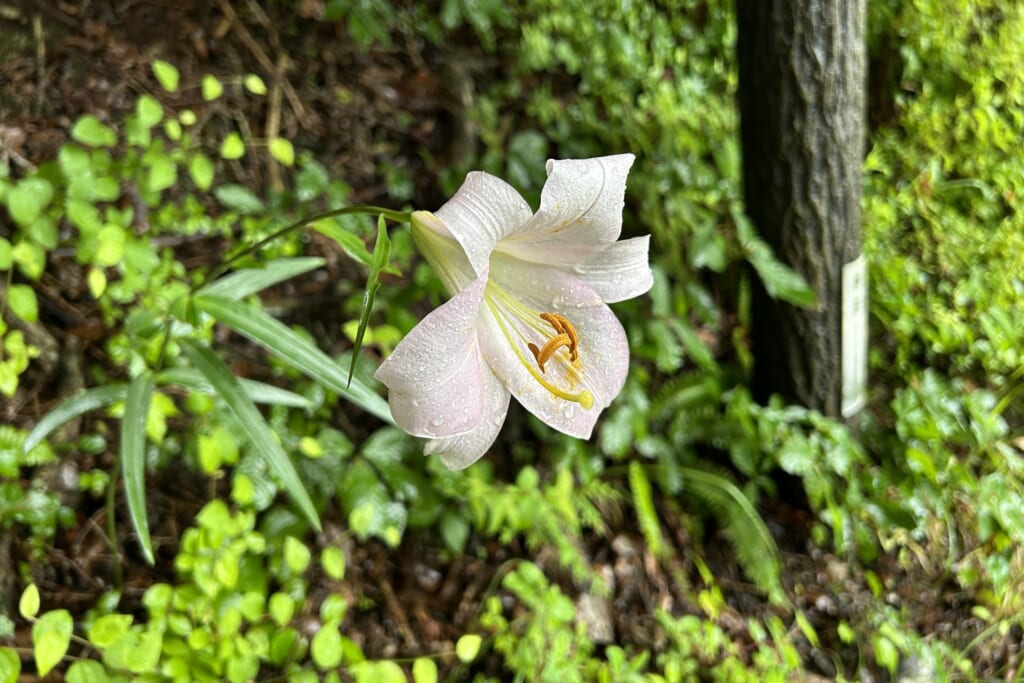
column 390, row 214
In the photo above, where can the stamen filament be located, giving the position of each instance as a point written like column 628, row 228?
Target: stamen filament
column 584, row 398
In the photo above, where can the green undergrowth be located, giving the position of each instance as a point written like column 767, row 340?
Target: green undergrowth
column 924, row 488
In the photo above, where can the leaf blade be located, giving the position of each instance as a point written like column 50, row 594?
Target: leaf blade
column 258, row 392
column 295, row 350
column 72, row 407
column 244, row 282
column 381, row 256
column 133, row 457
column 242, row 409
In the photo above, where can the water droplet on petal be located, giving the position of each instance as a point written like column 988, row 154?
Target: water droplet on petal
column 569, row 410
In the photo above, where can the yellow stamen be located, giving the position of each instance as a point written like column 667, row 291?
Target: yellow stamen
column 543, row 355
column 565, row 336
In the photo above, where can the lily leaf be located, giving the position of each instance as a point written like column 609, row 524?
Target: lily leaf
column 381, row 256
column 72, row 407
column 133, row 457
column 295, row 350
column 252, row 423
column 258, row 392
column 242, row 283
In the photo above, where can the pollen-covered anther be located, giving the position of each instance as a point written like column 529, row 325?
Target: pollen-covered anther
column 565, row 336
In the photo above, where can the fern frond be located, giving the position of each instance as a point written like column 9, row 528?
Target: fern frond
column 647, row 516
column 754, row 546
column 11, row 442
column 685, row 392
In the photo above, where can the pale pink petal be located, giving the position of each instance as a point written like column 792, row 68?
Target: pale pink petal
column 580, row 206
column 461, row 451
column 444, row 254
column 603, row 348
column 483, row 212
column 435, row 376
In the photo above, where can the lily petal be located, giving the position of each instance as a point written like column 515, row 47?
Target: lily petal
column 620, row 271
column 603, row 347
column 442, row 251
column 436, row 377
column 483, row 212
column 461, row 451
column 581, row 204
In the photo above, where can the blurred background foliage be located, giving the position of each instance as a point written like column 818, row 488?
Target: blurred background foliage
column 720, row 539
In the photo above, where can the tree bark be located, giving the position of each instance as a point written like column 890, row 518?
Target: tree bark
column 802, row 84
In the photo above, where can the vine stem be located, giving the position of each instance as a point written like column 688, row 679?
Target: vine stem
column 390, row 214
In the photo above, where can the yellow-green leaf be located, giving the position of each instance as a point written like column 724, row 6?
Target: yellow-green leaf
column 166, row 74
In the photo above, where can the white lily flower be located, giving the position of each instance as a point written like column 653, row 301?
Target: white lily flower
column 528, row 315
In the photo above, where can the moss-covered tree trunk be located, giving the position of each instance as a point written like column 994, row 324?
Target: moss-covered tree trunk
column 802, row 85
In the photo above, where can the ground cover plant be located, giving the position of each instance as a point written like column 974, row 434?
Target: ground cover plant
column 199, row 479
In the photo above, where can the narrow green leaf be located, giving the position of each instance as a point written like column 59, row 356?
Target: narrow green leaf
column 72, row 407
column 242, row 283
column 351, row 243
column 381, row 256
column 133, row 457
column 238, row 198
column 51, row 635
column 252, row 423
column 258, row 392
column 295, row 350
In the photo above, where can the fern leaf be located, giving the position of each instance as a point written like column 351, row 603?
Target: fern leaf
column 754, row 546
column 647, row 516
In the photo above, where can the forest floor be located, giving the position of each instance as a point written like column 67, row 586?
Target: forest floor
column 61, row 60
